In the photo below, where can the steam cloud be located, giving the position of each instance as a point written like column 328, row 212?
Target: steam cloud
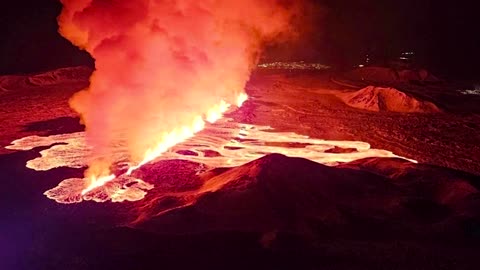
column 161, row 63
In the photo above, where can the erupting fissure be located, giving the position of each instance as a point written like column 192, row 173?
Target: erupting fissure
column 169, row 140
column 164, row 68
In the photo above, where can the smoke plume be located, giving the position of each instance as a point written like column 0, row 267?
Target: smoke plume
column 162, row 63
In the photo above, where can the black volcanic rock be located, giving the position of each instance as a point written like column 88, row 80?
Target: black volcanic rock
column 459, row 191
column 171, row 175
column 368, row 198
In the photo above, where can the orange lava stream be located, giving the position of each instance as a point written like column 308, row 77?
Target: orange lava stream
column 168, row 140
column 241, row 99
column 96, row 182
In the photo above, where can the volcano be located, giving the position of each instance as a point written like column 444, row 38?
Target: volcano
column 280, row 182
column 239, row 134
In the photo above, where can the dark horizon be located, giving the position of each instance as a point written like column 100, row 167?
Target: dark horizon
column 442, row 35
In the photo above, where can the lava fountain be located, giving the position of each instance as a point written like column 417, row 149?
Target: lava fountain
column 163, row 68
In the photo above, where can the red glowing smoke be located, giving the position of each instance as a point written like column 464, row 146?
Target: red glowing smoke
column 161, row 63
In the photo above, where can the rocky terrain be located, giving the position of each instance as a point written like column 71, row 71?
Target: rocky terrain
column 272, row 212
column 378, row 99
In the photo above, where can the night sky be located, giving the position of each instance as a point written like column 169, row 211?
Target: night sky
column 444, row 35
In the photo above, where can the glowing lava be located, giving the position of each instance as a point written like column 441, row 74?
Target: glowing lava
column 167, row 141
column 95, row 182
column 181, row 134
column 232, row 144
column 241, row 99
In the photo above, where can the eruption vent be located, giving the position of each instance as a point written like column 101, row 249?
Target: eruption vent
column 163, row 68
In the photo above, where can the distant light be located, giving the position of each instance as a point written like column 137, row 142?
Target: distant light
column 361, row 66
column 294, row 65
column 470, row 92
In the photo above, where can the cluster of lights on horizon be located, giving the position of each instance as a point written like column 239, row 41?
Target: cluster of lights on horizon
column 470, row 92
column 293, row 65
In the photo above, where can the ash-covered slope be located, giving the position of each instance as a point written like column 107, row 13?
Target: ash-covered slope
column 379, row 99
column 8, row 82
column 55, row 77
column 278, row 193
column 61, row 75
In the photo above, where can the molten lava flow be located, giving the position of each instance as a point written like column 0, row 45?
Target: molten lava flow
column 97, row 182
column 183, row 133
column 216, row 112
column 163, row 68
column 233, row 144
column 167, row 141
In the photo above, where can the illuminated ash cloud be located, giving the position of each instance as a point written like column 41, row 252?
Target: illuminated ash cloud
column 160, row 64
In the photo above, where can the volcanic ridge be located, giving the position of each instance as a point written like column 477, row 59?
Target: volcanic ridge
column 379, row 99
